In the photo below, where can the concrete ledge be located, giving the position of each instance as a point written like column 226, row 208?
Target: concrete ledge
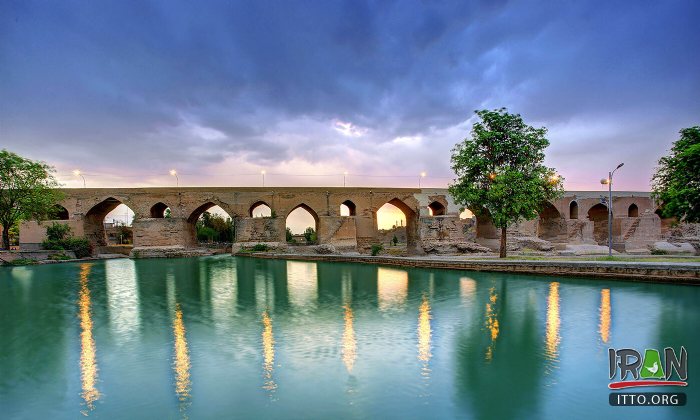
column 657, row 272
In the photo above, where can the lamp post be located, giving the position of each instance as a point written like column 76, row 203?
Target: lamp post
column 80, row 174
column 173, row 172
column 610, row 214
column 422, row 175
column 263, row 177
column 345, row 174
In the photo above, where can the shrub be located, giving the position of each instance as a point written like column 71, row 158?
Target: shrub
column 80, row 246
column 23, row 261
column 289, row 235
column 57, row 231
column 376, row 249
column 658, row 252
column 395, row 240
column 261, row 248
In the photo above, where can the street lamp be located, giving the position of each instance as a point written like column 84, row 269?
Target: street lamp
column 422, row 175
column 77, row 173
column 344, row 175
column 609, row 182
column 173, row 172
column 263, row 177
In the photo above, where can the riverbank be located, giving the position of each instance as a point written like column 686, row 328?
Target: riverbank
column 657, row 272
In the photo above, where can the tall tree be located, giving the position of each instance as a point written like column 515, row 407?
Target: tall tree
column 500, row 170
column 676, row 183
column 27, row 191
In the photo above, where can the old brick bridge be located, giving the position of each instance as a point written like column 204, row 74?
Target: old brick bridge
column 431, row 216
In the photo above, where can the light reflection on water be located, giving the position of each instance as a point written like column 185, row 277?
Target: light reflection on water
column 329, row 340
column 552, row 337
column 88, row 359
column 605, row 314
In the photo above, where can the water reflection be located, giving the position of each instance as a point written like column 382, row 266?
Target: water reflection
column 392, row 287
column 552, row 337
column 302, row 282
column 123, row 300
column 492, row 324
column 268, row 341
column 349, row 349
column 424, row 335
column 605, row 311
column 181, row 364
column 88, row 359
column 467, row 288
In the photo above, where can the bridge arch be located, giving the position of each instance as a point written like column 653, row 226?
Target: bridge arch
column 551, row 224
column 158, row 210
column 59, row 213
column 573, row 210
column 348, row 208
column 436, row 208
column 94, row 224
column 633, row 210
column 260, row 209
column 598, row 214
column 300, row 222
column 206, row 226
column 411, row 217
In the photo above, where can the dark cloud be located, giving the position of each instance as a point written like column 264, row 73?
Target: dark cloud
column 192, row 83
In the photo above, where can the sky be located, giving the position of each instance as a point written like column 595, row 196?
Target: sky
column 383, row 90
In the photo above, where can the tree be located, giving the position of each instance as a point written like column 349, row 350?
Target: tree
column 289, row 235
column 27, row 191
column 500, row 171
column 310, row 235
column 676, row 183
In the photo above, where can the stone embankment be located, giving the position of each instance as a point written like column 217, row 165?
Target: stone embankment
column 665, row 272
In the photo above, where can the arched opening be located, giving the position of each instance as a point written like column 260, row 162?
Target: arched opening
column 573, row 210
column 59, row 213
column 211, row 225
column 348, row 208
column 301, row 226
column 160, row 211
column 109, row 223
column 436, row 209
column 260, row 209
column 550, row 226
column 598, row 214
column 396, row 225
column 633, row 211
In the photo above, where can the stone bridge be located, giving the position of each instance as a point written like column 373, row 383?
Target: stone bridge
column 431, row 216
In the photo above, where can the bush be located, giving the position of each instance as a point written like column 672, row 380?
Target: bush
column 395, row 240
column 57, row 231
column 80, row 246
column 376, row 249
column 658, row 252
column 23, row 261
column 261, row 248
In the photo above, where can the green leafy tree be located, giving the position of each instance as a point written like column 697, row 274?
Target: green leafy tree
column 395, row 240
column 57, row 231
column 27, row 191
column 310, row 235
column 289, row 235
column 213, row 227
column 500, row 170
column 676, row 183
column 168, row 214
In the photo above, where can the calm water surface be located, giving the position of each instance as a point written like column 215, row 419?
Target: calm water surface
column 242, row 338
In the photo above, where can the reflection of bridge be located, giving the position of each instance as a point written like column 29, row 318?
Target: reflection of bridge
column 431, row 215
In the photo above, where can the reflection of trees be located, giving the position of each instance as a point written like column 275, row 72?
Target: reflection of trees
column 35, row 314
column 678, row 320
column 499, row 371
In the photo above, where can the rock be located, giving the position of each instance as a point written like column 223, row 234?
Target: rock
column 174, row 251
column 452, row 247
column 662, row 248
column 586, row 249
column 324, row 249
column 518, row 243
